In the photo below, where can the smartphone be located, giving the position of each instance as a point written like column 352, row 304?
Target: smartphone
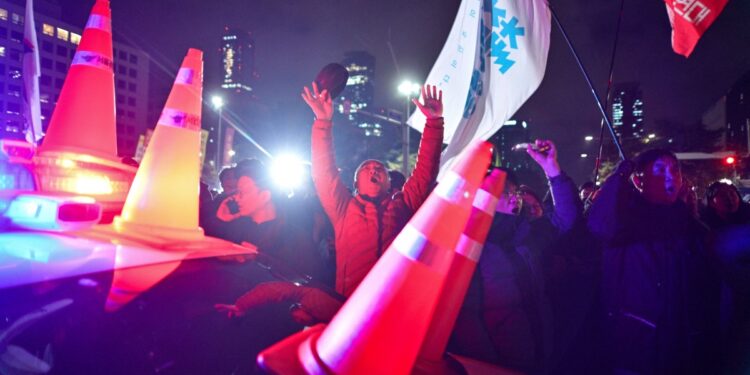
column 523, row 146
column 233, row 207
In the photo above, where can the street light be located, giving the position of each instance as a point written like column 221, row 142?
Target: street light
column 218, row 102
column 408, row 89
column 589, row 138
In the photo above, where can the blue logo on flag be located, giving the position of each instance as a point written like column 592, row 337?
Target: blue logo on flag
column 496, row 43
column 505, row 34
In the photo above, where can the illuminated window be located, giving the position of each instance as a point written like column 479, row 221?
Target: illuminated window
column 48, row 29
column 3, row 14
column 14, row 90
column 2, row 51
column 13, row 108
column 75, row 38
column 62, row 34
column 14, row 73
column 17, row 19
column 16, row 36
column 228, row 64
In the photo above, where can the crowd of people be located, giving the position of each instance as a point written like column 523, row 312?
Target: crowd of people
column 637, row 276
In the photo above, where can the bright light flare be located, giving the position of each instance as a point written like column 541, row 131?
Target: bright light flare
column 217, row 101
column 287, row 171
column 66, row 163
column 589, row 138
column 92, row 184
column 409, row 88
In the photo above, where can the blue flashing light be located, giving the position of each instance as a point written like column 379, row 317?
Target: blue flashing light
column 56, row 213
column 35, row 212
column 15, row 176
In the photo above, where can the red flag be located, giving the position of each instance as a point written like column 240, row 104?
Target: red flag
column 690, row 19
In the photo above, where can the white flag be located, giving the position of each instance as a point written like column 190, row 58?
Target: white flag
column 31, row 74
column 497, row 53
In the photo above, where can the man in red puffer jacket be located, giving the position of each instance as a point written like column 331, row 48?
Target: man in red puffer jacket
column 366, row 223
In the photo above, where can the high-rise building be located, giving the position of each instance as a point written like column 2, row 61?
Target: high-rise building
column 627, row 111
column 57, row 44
column 238, row 60
column 738, row 116
column 359, row 92
column 510, row 134
column 730, row 117
column 236, row 96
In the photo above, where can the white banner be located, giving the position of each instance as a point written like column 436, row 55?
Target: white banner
column 512, row 37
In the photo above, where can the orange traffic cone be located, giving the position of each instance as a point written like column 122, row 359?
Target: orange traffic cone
column 163, row 200
column 381, row 327
column 467, row 254
column 84, row 117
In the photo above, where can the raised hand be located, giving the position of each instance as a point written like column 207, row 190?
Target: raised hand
column 544, row 153
column 319, row 101
column 433, row 102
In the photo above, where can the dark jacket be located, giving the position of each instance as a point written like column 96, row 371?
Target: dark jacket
column 659, row 291
column 715, row 222
column 514, row 304
column 284, row 238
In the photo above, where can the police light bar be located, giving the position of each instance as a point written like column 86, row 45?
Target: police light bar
column 53, row 213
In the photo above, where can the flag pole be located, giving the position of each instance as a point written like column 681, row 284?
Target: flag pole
column 609, row 92
column 599, row 104
column 30, row 74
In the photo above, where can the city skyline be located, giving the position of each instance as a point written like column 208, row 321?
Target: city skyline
column 295, row 40
column 57, row 42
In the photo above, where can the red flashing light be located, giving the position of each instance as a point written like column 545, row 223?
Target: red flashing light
column 79, row 212
column 730, row 160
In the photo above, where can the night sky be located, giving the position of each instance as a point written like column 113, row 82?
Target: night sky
column 295, row 38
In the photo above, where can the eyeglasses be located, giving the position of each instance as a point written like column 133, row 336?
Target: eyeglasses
column 514, row 193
